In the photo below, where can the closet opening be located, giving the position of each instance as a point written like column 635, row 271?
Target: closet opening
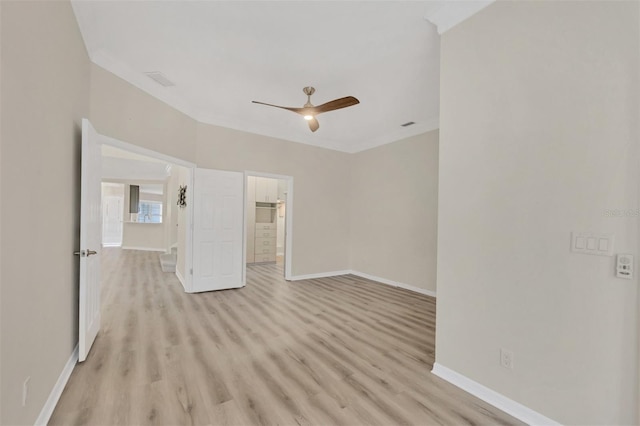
column 268, row 227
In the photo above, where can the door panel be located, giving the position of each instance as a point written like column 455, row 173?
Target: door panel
column 112, row 208
column 90, row 239
column 218, row 226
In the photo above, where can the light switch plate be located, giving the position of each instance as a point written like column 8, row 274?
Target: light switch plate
column 624, row 266
column 591, row 243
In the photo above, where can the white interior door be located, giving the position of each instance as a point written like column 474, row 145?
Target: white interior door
column 90, row 238
column 112, row 208
column 218, row 226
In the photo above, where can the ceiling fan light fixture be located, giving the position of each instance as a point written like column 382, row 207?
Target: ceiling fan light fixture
column 309, row 111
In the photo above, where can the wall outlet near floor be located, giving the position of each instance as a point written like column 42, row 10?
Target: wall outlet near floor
column 25, row 391
column 506, row 358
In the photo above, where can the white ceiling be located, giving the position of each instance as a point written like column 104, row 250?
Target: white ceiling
column 221, row 55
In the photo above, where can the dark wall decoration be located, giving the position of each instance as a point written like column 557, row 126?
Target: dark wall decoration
column 182, row 196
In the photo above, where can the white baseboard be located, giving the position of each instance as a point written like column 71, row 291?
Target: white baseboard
column 143, row 248
column 367, row 276
column 394, row 283
column 181, row 279
column 489, row 396
column 319, row 275
column 56, row 392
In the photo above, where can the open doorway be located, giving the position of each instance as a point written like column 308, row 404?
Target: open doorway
column 140, row 191
column 268, row 225
column 135, row 201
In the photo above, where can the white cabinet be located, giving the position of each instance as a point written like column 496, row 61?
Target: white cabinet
column 266, row 190
column 262, row 195
column 265, row 242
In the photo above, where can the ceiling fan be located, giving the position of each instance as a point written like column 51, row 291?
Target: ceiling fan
column 310, row 112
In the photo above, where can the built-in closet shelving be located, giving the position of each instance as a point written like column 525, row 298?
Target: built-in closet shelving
column 262, row 197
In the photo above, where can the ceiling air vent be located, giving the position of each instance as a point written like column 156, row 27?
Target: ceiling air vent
column 159, row 78
column 408, row 123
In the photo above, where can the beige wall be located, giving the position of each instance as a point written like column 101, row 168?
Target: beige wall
column 321, row 190
column 45, row 93
column 40, row 144
column 393, row 208
column 321, row 227
column 539, row 136
column 113, row 191
column 143, row 236
column 124, row 112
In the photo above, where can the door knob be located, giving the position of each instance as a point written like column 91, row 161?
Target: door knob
column 85, row 253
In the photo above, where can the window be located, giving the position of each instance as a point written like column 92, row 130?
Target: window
column 150, row 212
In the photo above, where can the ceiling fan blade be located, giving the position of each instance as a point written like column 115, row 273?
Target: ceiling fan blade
column 296, row 110
column 314, row 125
column 336, row 104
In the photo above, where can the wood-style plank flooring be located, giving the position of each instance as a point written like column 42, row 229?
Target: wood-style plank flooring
column 331, row 351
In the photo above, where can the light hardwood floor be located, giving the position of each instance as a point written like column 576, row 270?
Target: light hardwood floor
column 331, row 351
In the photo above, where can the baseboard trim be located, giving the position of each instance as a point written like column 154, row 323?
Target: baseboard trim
column 492, row 397
column 319, row 275
column 181, row 279
column 143, row 248
column 112, row 245
column 56, row 392
column 394, row 283
column 367, row 276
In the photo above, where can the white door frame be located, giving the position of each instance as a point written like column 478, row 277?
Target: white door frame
column 288, row 243
column 106, row 140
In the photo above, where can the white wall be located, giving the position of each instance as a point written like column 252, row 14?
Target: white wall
column 539, row 137
column 172, row 188
column 183, row 177
column 393, row 211
column 45, row 94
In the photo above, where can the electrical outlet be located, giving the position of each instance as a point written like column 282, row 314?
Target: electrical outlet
column 25, row 391
column 506, row 358
column 624, row 266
